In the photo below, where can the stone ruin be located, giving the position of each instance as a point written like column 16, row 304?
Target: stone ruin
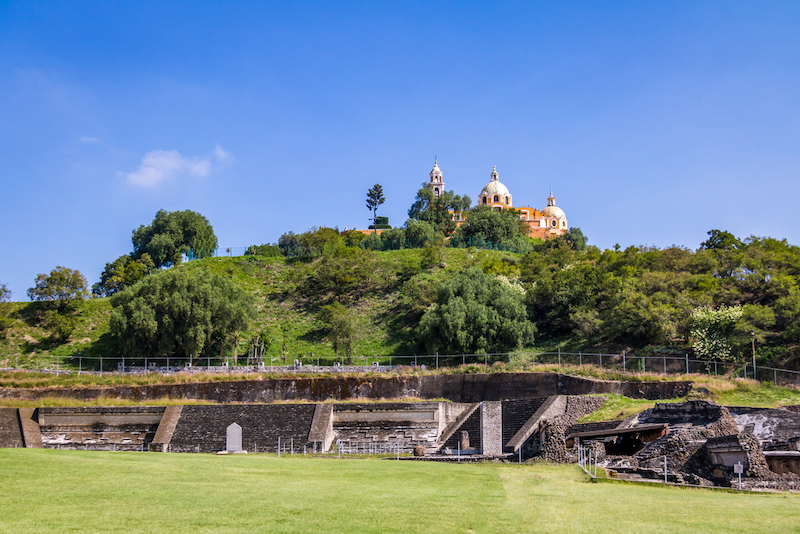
column 702, row 442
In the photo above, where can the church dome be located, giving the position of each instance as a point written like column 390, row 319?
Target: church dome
column 552, row 210
column 495, row 186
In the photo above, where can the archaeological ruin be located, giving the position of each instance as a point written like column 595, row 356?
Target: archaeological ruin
column 490, row 417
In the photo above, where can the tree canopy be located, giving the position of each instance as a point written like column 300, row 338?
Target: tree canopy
column 172, row 234
column 121, row 273
column 476, row 313
column 484, row 224
column 179, row 313
column 436, row 209
column 62, row 286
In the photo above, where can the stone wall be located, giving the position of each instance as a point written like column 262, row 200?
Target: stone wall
column 412, row 425
column 516, row 413
column 99, row 428
column 473, row 426
column 465, row 388
column 10, row 431
column 203, row 428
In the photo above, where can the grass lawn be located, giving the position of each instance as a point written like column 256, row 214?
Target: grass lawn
column 75, row 491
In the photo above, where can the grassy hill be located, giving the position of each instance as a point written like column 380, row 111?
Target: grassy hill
column 640, row 299
column 386, row 302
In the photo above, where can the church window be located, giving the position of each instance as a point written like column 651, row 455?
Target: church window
column 436, row 191
column 496, row 198
column 484, row 200
column 507, row 200
column 554, row 224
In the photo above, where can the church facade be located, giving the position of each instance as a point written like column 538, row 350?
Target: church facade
column 543, row 224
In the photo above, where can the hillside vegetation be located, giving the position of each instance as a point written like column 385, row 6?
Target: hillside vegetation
column 350, row 301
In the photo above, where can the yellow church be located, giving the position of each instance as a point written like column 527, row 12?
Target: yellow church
column 546, row 223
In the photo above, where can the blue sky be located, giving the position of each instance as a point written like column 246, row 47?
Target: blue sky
column 652, row 122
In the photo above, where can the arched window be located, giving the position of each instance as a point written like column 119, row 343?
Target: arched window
column 496, row 198
column 507, row 200
column 554, row 224
column 484, row 200
column 436, row 191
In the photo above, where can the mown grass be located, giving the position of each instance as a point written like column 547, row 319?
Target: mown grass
column 47, row 491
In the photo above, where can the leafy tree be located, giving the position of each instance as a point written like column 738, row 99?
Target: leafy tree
column 318, row 238
column 436, row 210
column 485, row 224
column 5, row 293
column 179, row 313
column 121, row 273
column 63, row 290
column 475, row 313
column 374, row 199
column 289, row 244
column 172, row 234
column 419, row 233
column 721, row 240
column 341, row 328
column 64, row 287
column 712, row 331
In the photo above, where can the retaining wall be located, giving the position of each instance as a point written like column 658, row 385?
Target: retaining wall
column 457, row 388
column 10, row 431
column 204, row 427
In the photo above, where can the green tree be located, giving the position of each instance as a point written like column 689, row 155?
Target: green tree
column 374, row 199
column 63, row 290
column 172, row 234
column 121, row 273
column 721, row 240
column 64, row 287
column 5, row 293
column 475, row 313
column 485, row 224
column 179, row 313
column 436, row 209
column 712, row 331
column 341, row 328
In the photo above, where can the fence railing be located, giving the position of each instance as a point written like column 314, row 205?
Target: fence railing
column 663, row 364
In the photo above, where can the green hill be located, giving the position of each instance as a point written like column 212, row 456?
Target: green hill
column 387, row 295
column 644, row 300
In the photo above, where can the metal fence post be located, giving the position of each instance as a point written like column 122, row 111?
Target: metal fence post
column 687, row 363
column 665, row 364
column 437, row 359
column 559, row 356
column 580, row 359
column 624, row 368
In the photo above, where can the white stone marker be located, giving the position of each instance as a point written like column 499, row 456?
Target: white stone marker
column 234, row 438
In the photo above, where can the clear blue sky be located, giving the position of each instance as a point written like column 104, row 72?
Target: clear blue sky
column 653, row 122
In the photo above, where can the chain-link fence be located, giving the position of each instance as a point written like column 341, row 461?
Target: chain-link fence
column 625, row 362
